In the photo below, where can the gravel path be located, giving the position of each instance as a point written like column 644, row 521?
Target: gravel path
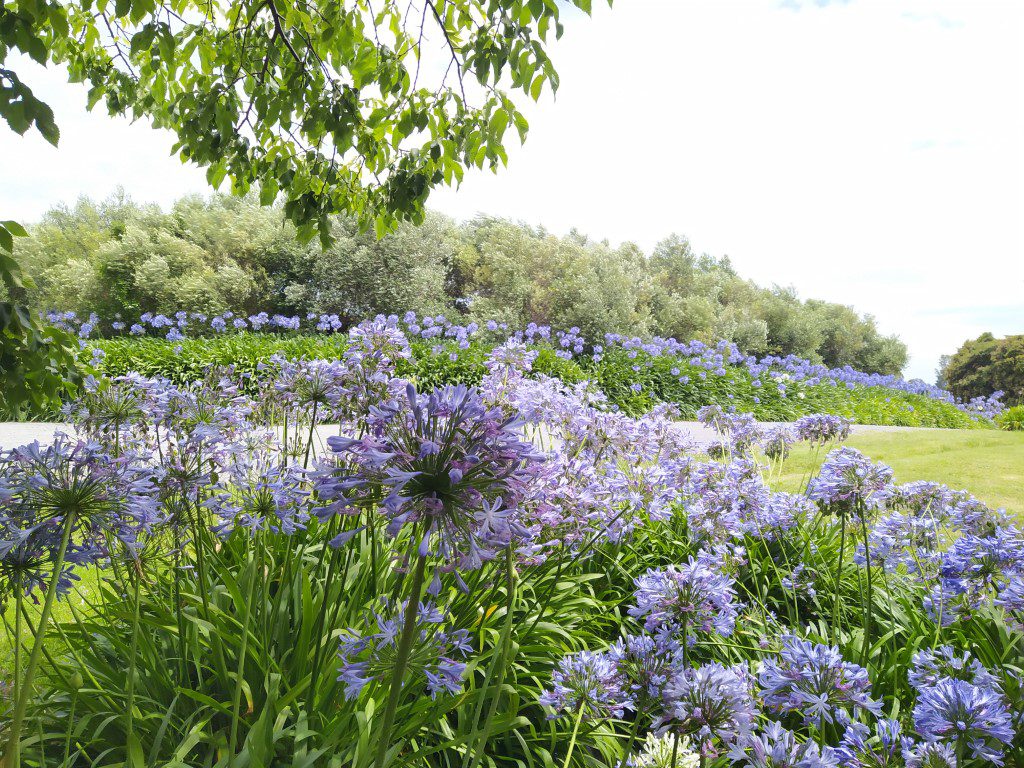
column 14, row 433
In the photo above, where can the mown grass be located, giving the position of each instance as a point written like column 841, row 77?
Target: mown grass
column 987, row 463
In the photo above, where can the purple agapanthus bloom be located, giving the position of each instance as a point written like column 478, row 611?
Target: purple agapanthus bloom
column 935, row 664
column 691, row 598
column 645, row 665
column 776, row 747
column 1011, row 600
column 931, row 755
column 367, row 656
column 445, row 463
column 814, row 681
column 965, row 716
column 860, row 748
column 711, row 704
column 588, row 683
column 847, row 477
column 822, row 428
column 777, row 441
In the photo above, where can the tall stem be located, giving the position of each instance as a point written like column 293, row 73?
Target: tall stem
column 839, row 575
column 236, row 699
column 572, row 739
column 869, row 608
column 498, row 664
column 629, row 741
column 401, row 661
column 131, row 663
column 12, row 757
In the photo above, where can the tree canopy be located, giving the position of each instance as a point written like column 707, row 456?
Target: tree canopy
column 224, row 253
column 985, row 365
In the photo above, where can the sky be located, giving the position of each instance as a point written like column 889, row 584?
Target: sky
column 868, row 153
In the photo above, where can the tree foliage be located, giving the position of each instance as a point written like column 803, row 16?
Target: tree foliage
column 230, row 254
column 986, row 365
column 358, row 108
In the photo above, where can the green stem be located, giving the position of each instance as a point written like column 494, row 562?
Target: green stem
column 309, row 440
column 500, row 661
column 869, row 608
column 131, row 663
column 12, row 758
column 236, row 699
column 401, row 661
column 629, row 741
column 572, row 739
column 839, row 576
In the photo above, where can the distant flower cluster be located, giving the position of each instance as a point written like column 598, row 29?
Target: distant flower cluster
column 782, row 373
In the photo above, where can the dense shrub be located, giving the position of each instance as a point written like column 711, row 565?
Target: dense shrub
column 118, row 258
column 1012, row 419
column 986, row 365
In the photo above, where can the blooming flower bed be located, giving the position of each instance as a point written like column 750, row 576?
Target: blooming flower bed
column 634, row 374
column 512, row 573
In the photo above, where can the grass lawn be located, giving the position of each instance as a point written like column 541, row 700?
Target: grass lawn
column 988, row 463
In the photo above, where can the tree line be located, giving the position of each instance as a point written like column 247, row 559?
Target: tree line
column 117, row 257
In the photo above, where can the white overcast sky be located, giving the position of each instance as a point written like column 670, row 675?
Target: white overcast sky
column 870, row 153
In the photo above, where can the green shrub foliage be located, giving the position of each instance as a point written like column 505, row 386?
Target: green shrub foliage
column 986, row 365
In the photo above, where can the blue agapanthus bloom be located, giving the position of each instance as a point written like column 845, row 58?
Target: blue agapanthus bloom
column 589, row 683
column 814, row 681
column 965, row 716
column 822, row 428
column 862, row 748
column 1011, row 600
column 932, row 665
column 846, row 477
column 776, row 747
column 711, row 704
column 368, row 656
column 931, row 755
column 645, row 665
column 694, row 597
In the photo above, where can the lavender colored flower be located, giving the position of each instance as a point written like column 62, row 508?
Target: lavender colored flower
column 645, row 665
column 777, row 441
column 931, row 755
column 368, row 656
column 966, row 717
column 447, row 464
column 932, row 665
column 822, row 428
column 589, row 683
column 860, row 748
column 710, row 704
column 847, row 477
column 691, row 598
column 776, row 747
column 814, row 681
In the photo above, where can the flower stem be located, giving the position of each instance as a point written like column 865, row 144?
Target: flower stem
column 629, row 741
column 405, row 643
column 572, row 739
column 130, row 704
column 869, row 607
column 839, row 576
column 236, row 700
column 12, row 757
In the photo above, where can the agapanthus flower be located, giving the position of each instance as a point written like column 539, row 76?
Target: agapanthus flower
column 965, row 716
column 862, row 748
column 1011, row 599
column 724, row 500
column 985, row 560
column 588, row 683
column 645, row 665
column 822, row 428
column 846, row 477
column 691, row 598
column 74, row 491
column 368, row 656
column 445, row 463
column 901, row 541
column 814, row 681
column 935, row 664
column 777, row 441
column 711, row 704
column 776, row 747
column 931, row 755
